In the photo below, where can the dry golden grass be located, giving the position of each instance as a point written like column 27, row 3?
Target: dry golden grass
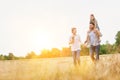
column 108, row 68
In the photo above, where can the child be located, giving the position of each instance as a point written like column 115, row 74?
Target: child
column 93, row 20
column 75, row 46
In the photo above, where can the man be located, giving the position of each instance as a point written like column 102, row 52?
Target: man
column 75, row 46
column 93, row 36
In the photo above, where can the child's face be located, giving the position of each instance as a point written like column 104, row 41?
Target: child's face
column 91, row 17
column 74, row 31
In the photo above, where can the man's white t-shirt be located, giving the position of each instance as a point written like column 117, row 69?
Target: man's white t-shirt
column 77, row 42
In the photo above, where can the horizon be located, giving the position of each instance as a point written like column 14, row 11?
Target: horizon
column 35, row 24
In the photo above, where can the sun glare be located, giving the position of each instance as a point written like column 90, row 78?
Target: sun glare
column 42, row 40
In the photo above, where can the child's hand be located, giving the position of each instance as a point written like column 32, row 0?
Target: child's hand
column 72, row 40
column 86, row 45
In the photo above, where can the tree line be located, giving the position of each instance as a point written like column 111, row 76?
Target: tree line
column 106, row 48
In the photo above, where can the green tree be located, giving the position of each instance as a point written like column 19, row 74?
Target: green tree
column 65, row 52
column 117, row 38
column 107, row 48
column 31, row 55
column 11, row 56
column 1, row 57
column 6, row 57
column 84, row 50
column 103, row 49
column 45, row 54
column 55, row 52
column 50, row 53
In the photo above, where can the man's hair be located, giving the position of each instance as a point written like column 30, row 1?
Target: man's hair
column 73, row 29
column 92, row 23
column 93, row 26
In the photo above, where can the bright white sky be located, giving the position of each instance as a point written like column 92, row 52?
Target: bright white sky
column 31, row 25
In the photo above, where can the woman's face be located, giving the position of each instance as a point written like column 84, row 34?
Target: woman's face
column 74, row 31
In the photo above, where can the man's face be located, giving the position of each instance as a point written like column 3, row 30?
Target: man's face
column 91, row 26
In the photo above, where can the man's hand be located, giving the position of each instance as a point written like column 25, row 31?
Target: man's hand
column 85, row 42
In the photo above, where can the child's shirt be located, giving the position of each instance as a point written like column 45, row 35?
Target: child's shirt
column 76, row 42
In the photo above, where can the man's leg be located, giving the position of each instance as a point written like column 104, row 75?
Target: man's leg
column 74, row 57
column 78, row 56
column 92, row 49
column 97, row 49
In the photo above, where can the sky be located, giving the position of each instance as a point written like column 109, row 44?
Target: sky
column 33, row 25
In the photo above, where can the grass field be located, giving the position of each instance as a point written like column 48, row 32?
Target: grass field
column 108, row 68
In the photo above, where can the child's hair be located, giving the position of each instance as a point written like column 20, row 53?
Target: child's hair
column 92, row 15
column 73, row 29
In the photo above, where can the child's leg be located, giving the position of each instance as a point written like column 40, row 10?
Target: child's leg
column 74, row 57
column 78, row 56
